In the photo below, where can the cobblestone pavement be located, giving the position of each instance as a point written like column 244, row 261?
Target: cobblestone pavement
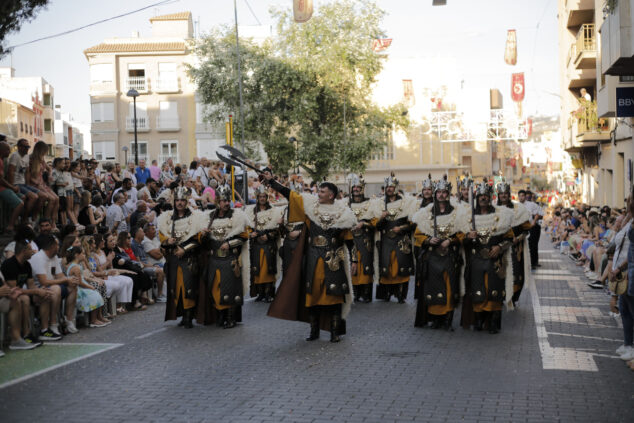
column 553, row 361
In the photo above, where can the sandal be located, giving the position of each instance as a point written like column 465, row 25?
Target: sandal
column 121, row 310
column 139, row 307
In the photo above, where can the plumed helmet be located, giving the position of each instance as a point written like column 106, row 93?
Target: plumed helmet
column 442, row 185
column 503, row 186
column 223, row 193
column 464, row 182
column 391, row 181
column 356, row 181
column 182, row 193
column 428, row 183
column 484, row 188
column 261, row 189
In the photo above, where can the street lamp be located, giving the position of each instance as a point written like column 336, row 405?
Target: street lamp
column 134, row 94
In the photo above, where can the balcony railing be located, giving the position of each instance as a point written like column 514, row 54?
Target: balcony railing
column 589, row 126
column 162, row 158
column 169, row 123
column 166, row 85
column 585, row 47
column 138, row 83
column 142, row 124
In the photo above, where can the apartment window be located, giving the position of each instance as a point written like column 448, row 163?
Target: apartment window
column 136, row 77
column 167, row 79
column 21, row 127
column 141, row 109
column 47, row 99
column 169, row 148
column 102, row 112
column 388, row 150
column 626, row 78
column 142, row 150
column 136, row 69
column 48, row 125
column 103, row 150
column 30, row 129
column 100, row 73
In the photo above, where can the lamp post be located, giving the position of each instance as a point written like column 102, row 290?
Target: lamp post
column 134, row 94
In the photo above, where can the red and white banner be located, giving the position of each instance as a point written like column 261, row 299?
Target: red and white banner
column 517, row 87
column 302, row 10
column 381, row 44
column 510, row 52
column 408, row 92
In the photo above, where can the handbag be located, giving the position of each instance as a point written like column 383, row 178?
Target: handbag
column 619, row 285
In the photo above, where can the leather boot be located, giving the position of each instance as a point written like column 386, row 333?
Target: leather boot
column 449, row 321
column 478, row 321
column 495, row 322
column 401, row 294
column 231, row 321
column 313, row 319
column 260, row 289
column 367, row 293
column 356, row 289
column 269, row 292
column 187, row 318
column 222, row 318
column 335, row 323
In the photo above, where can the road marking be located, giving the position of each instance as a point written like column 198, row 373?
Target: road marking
column 147, row 335
column 556, row 277
column 552, row 272
column 585, row 336
column 106, row 347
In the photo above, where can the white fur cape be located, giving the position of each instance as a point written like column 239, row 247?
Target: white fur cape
column 344, row 219
column 184, row 228
column 268, row 219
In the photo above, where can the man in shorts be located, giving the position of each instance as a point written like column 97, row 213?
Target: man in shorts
column 8, row 191
column 17, row 167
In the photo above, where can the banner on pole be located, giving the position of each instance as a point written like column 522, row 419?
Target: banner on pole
column 510, row 52
column 381, row 44
column 517, row 87
column 408, row 92
column 302, row 10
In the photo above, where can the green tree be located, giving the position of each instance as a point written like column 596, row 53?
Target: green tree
column 13, row 13
column 300, row 83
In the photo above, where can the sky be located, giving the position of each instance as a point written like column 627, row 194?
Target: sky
column 469, row 34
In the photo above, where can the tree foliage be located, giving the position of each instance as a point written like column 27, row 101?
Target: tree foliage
column 13, row 13
column 301, row 83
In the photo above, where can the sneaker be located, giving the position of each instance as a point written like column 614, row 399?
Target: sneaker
column 620, row 350
column 628, row 354
column 70, row 326
column 21, row 344
column 55, row 330
column 95, row 325
column 31, row 340
column 49, row 335
column 595, row 285
column 161, row 299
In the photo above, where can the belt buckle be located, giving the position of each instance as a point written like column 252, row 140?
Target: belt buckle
column 391, row 234
column 320, row 241
column 220, row 253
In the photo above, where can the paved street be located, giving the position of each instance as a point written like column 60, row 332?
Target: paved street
column 553, row 361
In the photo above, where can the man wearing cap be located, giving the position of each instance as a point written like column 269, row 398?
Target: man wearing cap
column 361, row 245
column 226, row 276
column 439, row 263
column 395, row 230
column 488, row 271
column 324, row 297
column 264, row 235
column 521, row 225
column 179, row 233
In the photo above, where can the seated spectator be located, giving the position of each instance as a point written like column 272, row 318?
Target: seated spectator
column 130, row 194
column 48, row 274
column 17, row 167
column 87, row 211
column 35, row 178
column 45, row 228
column 88, row 298
column 118, row 281
column 122, row 260
column 141, row 213
column 8, row 191
column 152, row 270
column 116, row 219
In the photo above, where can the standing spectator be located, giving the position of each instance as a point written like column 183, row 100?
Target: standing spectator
column 116, row 220
column 130, row 173
column 8, row 191
column 35, row 178
column 142, row 173
column 48, row 274
column 626, row 300
column 155, row 171
column 167, row 176
column 16, row 175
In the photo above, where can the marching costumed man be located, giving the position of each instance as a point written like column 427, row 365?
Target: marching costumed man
column 396, row 258
column 361, row 245
column 462, row 195
column 323, row 297
column 521, row 226
column 439, row 264
column 488, row 271
column 264, row 235
column 227, row 268
column 427, row 192
column 179, row 235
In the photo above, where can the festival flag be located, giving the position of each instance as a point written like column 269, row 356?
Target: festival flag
column 302, row 10
column 517, row 87
column 510, row 52
column 408, row 92
column 381, row 44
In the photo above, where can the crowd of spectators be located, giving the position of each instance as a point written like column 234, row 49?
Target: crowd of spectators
column 85, row 242
column 601, row 241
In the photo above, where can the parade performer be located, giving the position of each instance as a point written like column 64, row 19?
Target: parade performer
column 488, row 269
column 361, row 245
column 227, row 268
column 264, row 235
column 439, row 263
column 462, row 193
column 521, row 226
column 427, row 192
column 396, row 259
column 179, row 235
column 323, row 298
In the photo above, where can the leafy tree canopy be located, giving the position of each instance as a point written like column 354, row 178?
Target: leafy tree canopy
column 13, row 13
column 300, row 84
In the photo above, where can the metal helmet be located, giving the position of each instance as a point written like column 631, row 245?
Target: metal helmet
column 182, row 193
column 428, row 183
column 442, row 185
column 391, row 181
column 223, row 193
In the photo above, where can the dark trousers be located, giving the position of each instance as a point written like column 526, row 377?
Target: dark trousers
column 626, row 310
column 533, row 244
